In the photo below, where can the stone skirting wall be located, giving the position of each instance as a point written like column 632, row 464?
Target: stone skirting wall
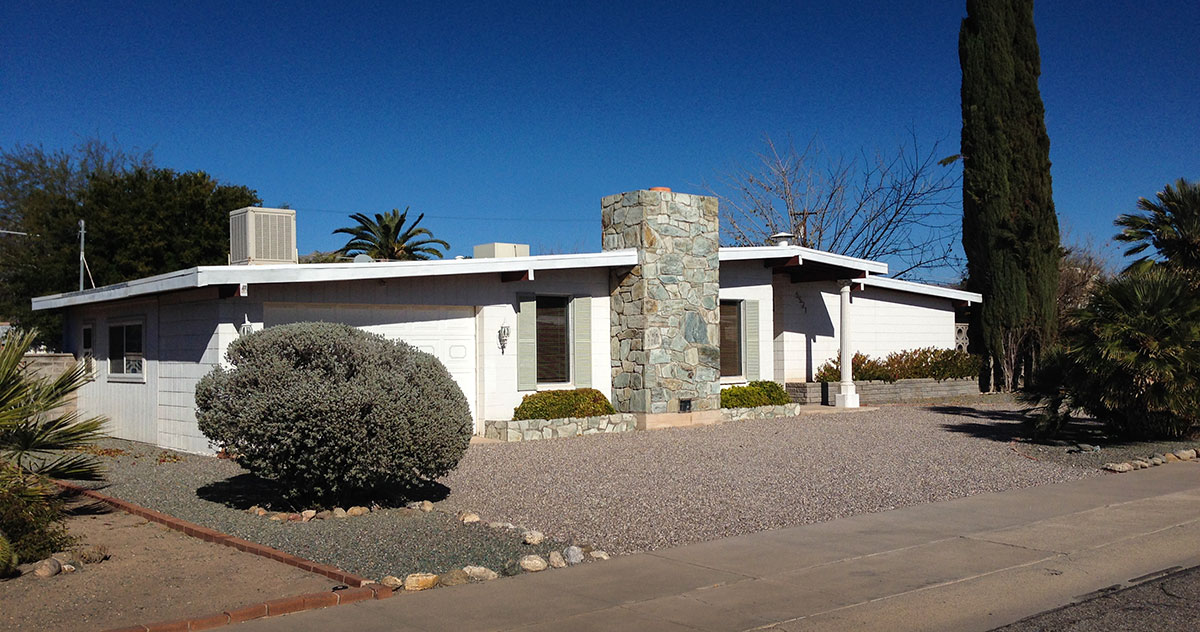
column 665, row 316
column 532, row 429
column 761, row 412
column 870, row 392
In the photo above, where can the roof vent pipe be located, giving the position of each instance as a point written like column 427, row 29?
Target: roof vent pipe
column 780, row 239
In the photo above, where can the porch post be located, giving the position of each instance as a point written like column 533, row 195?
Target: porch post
column 846, row 397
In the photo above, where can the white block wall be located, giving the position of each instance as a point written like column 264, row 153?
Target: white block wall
column 750, row 281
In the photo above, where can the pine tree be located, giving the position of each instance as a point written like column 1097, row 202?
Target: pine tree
column 1010, row 231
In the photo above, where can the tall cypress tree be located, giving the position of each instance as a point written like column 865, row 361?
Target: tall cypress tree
column 1010, row 230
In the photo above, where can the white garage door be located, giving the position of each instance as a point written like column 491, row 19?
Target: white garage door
column 446, row 332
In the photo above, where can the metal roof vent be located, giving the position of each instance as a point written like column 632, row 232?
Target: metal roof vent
column 780, row 239
column 262, row 235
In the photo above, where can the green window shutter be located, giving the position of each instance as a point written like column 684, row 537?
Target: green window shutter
column 583, row 341
column 751, row 329
column 526, row 342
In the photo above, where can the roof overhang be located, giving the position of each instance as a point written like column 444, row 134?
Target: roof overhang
column 921, row 288
column 205, row 276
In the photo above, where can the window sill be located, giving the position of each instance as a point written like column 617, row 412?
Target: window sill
column 734, row 379
column 555, row 386
column 139, row 378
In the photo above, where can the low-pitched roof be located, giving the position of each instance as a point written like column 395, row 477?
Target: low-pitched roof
column 205, row 276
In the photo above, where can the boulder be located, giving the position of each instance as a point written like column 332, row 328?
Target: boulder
column 357, row 511
column 1140, row 464
column 323, row 515
column 48, row 567
column 425, row 506
column 598, row 555
column 393, row 582
column 534, row 537
column 573, row 554
column 454, row 578
column 533, row 563
column 1185, row 455
column 480, row 573
column 308, row 514
column 556, row 559
column 420, row 581
column 469, row 517
column 1118, row 467
column 1169, row 458
column 338, row 512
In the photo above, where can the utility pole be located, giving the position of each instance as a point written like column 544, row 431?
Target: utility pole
column 82, row 232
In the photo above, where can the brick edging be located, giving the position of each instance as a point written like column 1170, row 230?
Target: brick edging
column 216, row 537
column 273, row 608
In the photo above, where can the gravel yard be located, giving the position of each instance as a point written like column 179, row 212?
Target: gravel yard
column 214, row 492
column 651, row 490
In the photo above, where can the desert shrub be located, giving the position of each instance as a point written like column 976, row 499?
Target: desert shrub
column 758, row 393
column 329, row 411
column 1130, row 358
column 579, row 402
column 927, row 362
column 31, row 517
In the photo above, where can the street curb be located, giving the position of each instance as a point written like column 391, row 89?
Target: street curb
column 361, row 588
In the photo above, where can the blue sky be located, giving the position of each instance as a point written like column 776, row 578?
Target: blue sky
column 509, row 122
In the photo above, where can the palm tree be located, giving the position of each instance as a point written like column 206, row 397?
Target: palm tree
column 35, row 426
column 386, row 237
column 1170, row 225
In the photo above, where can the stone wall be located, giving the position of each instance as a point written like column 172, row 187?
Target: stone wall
column 761, row 412
column 665, row 317
column 532, row 429
column 49, row 366
column 871, row 393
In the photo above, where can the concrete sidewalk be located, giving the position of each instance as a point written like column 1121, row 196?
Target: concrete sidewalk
column 968, row 564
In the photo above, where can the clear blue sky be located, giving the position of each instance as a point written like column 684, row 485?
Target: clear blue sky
column 508, row 123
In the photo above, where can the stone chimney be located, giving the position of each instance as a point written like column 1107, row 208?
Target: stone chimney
column 665, row 340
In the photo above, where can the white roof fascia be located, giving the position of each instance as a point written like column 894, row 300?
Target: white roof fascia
column 921, row 288
column 318, row 272
column 741, row 253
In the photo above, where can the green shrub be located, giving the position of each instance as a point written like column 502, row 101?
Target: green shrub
column 1130, row 358
column 8, row 557
column 758, row 393
column 31, row 518
column 927, row 362
column 580, row 402
column 329, row 411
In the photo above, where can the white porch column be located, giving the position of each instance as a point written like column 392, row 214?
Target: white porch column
column 846, row 397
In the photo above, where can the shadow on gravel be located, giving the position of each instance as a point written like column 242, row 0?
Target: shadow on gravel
column 247, row 490
column 1001, row 425
column 85, row 506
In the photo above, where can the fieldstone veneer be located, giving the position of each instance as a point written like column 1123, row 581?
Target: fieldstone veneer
column 665, row 314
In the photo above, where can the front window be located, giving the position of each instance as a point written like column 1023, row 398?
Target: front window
column 731, row 338
column 87, row 349
column 125, row 349
column 553, row 356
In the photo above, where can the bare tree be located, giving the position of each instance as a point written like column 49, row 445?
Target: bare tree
column 900, row 208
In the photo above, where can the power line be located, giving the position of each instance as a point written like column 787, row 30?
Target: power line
column 451, row 217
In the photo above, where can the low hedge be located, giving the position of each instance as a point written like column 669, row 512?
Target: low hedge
column 760, row 393
column 580, row 402
column 927, row 362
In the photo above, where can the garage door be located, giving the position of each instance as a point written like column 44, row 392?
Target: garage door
column 446, row 332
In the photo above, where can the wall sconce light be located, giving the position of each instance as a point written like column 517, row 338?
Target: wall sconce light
column 503, row 335
column 247, row 327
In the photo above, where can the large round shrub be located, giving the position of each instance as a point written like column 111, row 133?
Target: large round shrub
column 327, row 411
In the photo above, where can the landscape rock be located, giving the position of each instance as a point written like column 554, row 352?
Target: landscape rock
column 556, row 559
column 393, row 582
column 308, row 514
column 1156, row 460
column 68, row 568
column 93, row 554
column 323, row 515
column 455, row 577
column 48, row 567
column 533, row 563
column 598, row 555
column 534, row 537
column 1185, row 455
column 279, row 517
column 573, row 554
column 1084, row 447
column 338, row 512
column 1168, row 457
column 469, row 517
column 295, row 517
column 1118, row 467
column 425, row 506
column 480, row 573
column 357, row 511
column 259, row 511
column 255, row 509
column 1140, row 464
column 420, row 581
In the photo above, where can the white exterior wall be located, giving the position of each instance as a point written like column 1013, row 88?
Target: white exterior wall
column 750, row 281
column 884, row 321
column 188, row 333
